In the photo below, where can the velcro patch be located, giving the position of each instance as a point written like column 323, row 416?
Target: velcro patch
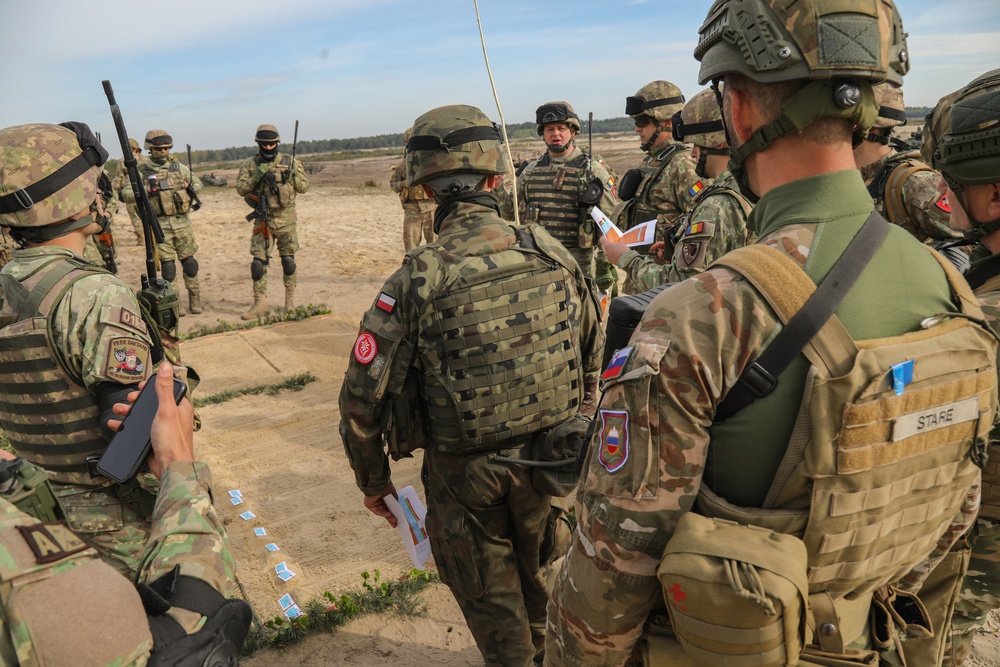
column 943, row 204
column 617, row 363
column 696, row 188
column 51, row 541
column 365, row 348
column 614, row 439
column 375, row 370
column 385, row 302
column 133, row 321
column 126, row 360
column 931, row 419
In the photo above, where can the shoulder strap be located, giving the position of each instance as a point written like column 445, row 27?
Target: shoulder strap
column 895, row 209
column 760, row 378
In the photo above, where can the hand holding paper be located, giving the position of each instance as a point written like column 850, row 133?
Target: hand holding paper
column 641, row 234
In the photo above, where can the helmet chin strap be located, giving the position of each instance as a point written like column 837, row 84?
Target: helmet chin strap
column 646, row 146
column 561, row 148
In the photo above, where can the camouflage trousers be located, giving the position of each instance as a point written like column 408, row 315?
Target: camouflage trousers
column 418, row 220
column 179, row 241
column 491, row 535
column 100, row 518
column 980, row 591
column 285, row 238
column 133, row 216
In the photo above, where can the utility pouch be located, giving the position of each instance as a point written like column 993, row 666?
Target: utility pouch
column 286, row 194
column 736, row 594
column 406, row 428
column 629, row 184
column 531, row 214
column 562, row 442
column 591, row 195
column 166, row 200
column 181, row 201
column 585, row 232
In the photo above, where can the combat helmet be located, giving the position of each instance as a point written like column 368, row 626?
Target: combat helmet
column 453, row 139
column 961, row 139
column 48, row 173
column 556, row 112
column 891, row 111
column 134, row 145
column 159, row 139
column 659, row 100
column 700, row 122
column 266, row 134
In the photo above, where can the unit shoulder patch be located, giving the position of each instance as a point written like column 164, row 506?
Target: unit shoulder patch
column 614, row 439
column 126, row 360
column 51, row 541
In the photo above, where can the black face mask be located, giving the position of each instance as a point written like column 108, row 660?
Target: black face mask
column 267, row 155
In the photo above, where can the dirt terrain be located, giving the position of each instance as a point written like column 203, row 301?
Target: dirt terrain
column 283, row 453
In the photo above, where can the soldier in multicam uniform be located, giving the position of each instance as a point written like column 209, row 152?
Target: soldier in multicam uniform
column 270, row 175
column 167, row 182
column 120, row 183
column 904, row 188
column 718, row 219
column 481, row 342
column 559, row 189
column 62, row 606
column 418, row 208
column 962, row 140
column 66, row 332
column 765, row 548
column 665, row 186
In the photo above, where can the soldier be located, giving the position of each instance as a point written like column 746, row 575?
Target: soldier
column 559, row 189
column 120, row 183
column 482, row 342
column 717, row 222
column 665, row 186
column 169, row 184
column 418, row 208
column 269, row 182
column 904, row 188
column 178, row 615
column 768, row 492
column 100, row 248
column 962, row 140
column 66, row 331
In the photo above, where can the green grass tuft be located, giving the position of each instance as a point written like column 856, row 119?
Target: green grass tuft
column 273, row 317
column 295, row 383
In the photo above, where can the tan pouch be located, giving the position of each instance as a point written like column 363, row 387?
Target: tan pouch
column 165, row 197
column 736, row 594
column 182, row 202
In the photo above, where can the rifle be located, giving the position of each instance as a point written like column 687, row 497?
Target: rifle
column 156, row 296
column 195, row 202
column 105, row 241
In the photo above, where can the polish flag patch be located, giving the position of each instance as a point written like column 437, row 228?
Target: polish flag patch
column 365, row 348
column 385, row 302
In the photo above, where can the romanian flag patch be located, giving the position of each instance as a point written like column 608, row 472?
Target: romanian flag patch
column 614, row 439
column 617, row 363
column 385, row 302
column 696, row 188
column 695, row 228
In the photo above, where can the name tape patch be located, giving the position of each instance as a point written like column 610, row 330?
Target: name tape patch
column 51, row 541
column 932, row 419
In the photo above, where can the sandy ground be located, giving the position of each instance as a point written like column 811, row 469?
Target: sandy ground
column 283, row 452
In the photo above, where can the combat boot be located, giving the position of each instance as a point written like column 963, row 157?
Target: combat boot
column 259, row 306
column 194, row 302
column 289, row 293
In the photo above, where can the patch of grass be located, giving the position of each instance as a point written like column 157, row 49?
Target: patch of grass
column 370, row 183
column 295, row 383
column 329, row 612
column 272, row 317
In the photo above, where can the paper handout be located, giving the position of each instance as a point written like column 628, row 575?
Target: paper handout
column 410, row 514
column 642, row 234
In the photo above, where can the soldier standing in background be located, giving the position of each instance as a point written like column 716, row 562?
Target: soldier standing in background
column 120, row 183
column 418, row 208
column 962, row 140
column 559, row 189
column 170, row 184
column 269, row 183
column 718, row 219
column 665, row 186
column 480, row 343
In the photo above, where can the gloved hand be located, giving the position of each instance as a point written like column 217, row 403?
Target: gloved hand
column 589, row 405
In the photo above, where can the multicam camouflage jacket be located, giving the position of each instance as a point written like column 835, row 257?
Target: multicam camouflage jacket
column 38, row 558
column 716, row 225
column 166, row 185
column 925, row 212
column 397, row 332
column 398, row 184
column 281, row 205
column 640, row 479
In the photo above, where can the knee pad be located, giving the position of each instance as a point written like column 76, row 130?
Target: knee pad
column 257, row 268
column 190, row 265
column 288, row 264
column 168, row 269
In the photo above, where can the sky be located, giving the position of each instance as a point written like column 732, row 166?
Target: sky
column 210, row 71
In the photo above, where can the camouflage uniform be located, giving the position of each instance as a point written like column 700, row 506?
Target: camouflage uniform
column 282, row 219
column 547, row 194
column 7, row 246
column 481, row 341
column 120, row 184
column 716, row 225
column 418, row 209
column 186, row 533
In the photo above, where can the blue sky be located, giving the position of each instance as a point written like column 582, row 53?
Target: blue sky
column 209, row 72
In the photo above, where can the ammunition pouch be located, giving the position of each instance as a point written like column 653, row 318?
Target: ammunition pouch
column 585, row 232
column 406, row 429
column 629, row 184
column 27, row 487
column 563, row 442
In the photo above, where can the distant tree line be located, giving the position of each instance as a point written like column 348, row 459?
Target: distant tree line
column 514, row 131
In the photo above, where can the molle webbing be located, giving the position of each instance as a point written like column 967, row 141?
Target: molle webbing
column 643, row 209
column 990, row 508
column 509, row 361
column 555, row 189
column 50, row 419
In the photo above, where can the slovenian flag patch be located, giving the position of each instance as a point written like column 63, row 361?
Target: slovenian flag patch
column 385, row 302
column 616, row 364
column 696, row 188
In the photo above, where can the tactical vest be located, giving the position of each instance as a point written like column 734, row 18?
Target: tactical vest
column 50, row 417
column 509, row 358
column 881, row 458
column 62, row 606
column 639, row 209
column 169, row 195
column 284, row 195
column 990, row 508
column 551, row 193
column 886, row 189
